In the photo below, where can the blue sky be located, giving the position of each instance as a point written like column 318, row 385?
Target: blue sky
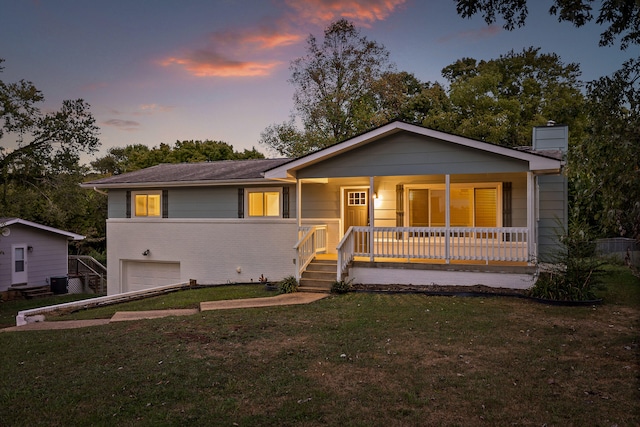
column 158, row 71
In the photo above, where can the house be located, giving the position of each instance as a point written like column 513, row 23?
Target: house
column 31, row 254
column 399, row 204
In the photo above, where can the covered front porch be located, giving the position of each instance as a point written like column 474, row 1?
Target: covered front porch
column 404, row 198
column 444, row 224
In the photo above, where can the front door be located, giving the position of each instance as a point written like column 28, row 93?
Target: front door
column 18, row 264
column 356, row 214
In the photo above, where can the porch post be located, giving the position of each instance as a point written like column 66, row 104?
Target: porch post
column 447, row 216
column 299, row 202
column 371, row 218
column 531, row 217
column 299, row 222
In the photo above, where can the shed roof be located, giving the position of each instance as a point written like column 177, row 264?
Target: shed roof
column 6, row 222
column 191, row 173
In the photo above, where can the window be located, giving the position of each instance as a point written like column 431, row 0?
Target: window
column 357, row 198
column 263, row 203
column 19, row 260
column 470, row 205
column 147, row 204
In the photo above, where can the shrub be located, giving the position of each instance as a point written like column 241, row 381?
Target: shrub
column 288, row 285
column 341, row 287
column 573, row 271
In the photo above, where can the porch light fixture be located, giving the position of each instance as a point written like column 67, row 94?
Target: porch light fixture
column 30, row 248
column 146, row 252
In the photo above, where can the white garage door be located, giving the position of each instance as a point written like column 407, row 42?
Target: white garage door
column 144, row 275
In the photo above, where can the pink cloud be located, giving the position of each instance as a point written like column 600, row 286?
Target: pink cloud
column 209, row 64
column 235, row 53
column 264, row 37
column 252, row 52
column 362, row 12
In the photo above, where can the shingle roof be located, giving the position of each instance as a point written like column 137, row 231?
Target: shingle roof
column 193, row 172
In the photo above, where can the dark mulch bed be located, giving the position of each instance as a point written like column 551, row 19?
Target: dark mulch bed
column 467, row 291
column 478, row 290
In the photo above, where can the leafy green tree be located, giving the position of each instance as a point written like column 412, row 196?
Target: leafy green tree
column 500, row 100
column 605, row 166
column 333, row 95
column 39, row 175
column 401, row 96
column 621, row 16
column 138, row 156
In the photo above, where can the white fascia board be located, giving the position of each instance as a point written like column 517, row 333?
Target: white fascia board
column 288, row 170
column 69, row 234
column 173, row 184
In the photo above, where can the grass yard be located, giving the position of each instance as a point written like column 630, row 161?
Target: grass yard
column 354, row 360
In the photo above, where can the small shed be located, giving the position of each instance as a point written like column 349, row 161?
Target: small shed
column 32, row 254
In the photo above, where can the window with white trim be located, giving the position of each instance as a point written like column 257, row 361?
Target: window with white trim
column 263, row 202
column 357, row 198
column 147, row 204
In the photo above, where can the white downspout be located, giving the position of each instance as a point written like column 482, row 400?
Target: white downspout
column 100, row 191
column 531, row 217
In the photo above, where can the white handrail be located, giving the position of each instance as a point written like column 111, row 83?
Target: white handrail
column 345, row 252
column 313, row 240
column 463, row 243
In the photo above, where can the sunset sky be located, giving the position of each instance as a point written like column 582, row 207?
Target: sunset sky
column 159, row 71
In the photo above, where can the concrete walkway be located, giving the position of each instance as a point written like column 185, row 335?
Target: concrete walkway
column 121, row 316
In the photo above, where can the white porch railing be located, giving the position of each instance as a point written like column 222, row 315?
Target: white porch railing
column 453, row 243
column 312, row 240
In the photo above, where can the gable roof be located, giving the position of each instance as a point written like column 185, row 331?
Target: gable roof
column 6, row 222
column 180, row 174
column 537, row 161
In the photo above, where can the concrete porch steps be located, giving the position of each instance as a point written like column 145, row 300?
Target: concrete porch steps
column 319, row 276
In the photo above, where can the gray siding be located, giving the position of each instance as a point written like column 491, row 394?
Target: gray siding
column 408, row 154
column 196, row 202
column 321, row 200
column 48, row 258
column 552, row 213
column 117, row 204
column 203, row 202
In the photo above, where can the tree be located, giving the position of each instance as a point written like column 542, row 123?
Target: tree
column 138, row 156
column 605, row 166
column 621, row 16
column 333, row 95
column 401, row 96
column 500, row 100
column 39, row 176
column 66, row 132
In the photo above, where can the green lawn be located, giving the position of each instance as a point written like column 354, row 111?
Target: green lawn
column 355, row 360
